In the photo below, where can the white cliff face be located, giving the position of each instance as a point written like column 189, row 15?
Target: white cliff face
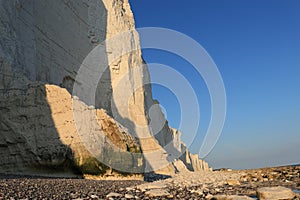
column 46, row 42
column 170, row 139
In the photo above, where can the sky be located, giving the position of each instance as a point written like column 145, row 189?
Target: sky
column 256, row 47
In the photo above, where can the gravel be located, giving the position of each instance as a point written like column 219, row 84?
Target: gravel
column 58, row 188
column 197, row 185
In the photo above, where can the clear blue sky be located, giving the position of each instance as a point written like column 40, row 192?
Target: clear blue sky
column 256, row 46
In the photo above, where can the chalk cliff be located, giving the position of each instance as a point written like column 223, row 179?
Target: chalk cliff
column 47, row 119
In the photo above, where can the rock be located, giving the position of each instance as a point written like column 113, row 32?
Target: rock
column 233, row 182
column 154, row 185
column 231, row 197
column 179, row 166
column 217, row 189
column 94, row 196
column 157, row 193
column 209, row 196
column 50, row 141
column 113, row 194
column 198, row 192
column 275, row 193
column 192, row 161
column 129, row 196
column 198, row 164
column 129, row 188
column 42, row 47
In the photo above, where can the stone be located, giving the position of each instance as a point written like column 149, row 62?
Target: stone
column 154, row 185
column 157, row 193
column 208, row 196
column 198, row 192
column 113, row 194
column 129, row 188
column 94, row 196
column 275, row 193
column 231, row 197
column 233, row 182
column 129, row 196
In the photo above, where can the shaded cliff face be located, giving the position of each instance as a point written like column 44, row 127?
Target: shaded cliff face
column 42, row 47
column 41, row 43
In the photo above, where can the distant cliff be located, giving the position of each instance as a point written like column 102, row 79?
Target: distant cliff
column 42, row 47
